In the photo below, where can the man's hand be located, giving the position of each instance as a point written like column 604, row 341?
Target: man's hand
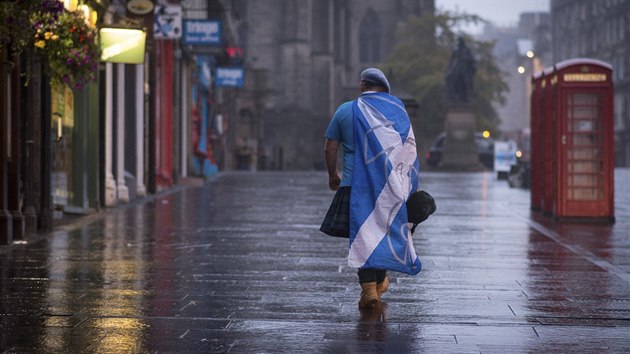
column 334, row 181
column 330, row 154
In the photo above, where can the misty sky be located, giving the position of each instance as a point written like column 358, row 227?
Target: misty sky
column 501, row 12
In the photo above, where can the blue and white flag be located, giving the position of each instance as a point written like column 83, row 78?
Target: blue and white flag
column 385, row 173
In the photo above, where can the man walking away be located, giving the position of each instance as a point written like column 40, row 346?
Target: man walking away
column 380, row 171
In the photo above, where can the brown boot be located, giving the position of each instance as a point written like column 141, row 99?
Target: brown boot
column 382, row 287
column 369, row 296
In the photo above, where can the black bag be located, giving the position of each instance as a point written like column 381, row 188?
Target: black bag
column 420, row 206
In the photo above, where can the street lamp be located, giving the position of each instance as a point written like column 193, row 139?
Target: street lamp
column 521, row 69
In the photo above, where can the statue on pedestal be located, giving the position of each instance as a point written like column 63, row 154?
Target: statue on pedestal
column 460, row 149
column 459, row 75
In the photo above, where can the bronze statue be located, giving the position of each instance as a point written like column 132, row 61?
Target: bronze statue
column 459, row 75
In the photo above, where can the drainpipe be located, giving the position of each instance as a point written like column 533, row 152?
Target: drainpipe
column 184, row 118
column 45, row 213
column 16, row 152
column 6, row 220
column 32, row 157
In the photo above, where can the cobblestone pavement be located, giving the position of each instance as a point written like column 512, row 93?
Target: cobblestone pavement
column 238, row 265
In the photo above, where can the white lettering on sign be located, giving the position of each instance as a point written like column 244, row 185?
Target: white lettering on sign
column 230, row 73
column 203, row 27
column 120, row 48
column 592, row 77
column 229, row 77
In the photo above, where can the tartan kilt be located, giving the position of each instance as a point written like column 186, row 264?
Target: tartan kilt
column 337, row 220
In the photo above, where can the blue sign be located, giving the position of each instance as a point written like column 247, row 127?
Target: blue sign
column 204, row 71
column 202, row 32
column 229, row 77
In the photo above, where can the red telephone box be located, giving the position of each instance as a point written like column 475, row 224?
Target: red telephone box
column 542, row 122
column 581, row 140
column 536, row 120
column 549, row 138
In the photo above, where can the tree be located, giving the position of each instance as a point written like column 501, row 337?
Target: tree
column 418, row 66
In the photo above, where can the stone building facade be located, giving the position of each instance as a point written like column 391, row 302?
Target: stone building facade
column 600, row 30
column 511, row 48
column 303, row 58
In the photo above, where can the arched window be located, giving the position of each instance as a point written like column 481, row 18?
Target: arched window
column 370, row 38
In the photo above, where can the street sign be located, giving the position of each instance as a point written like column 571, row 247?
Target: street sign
column 202, row 32
column 229, row 77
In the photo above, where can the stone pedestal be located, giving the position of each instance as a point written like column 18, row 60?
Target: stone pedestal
column 460, row 149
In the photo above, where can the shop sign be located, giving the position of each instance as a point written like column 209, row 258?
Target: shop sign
column 202, row 32
column 229, row 77
column 236, row 55
column 140, row 7
column 593, row 77
column 204, row 72
column 122, row 45
column 168, row 22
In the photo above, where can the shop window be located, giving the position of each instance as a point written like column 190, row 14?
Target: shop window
column 370, row 38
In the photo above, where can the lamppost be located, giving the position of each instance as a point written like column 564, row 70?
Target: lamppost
column 530, row 67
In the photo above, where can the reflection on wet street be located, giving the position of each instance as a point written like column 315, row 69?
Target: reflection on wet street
column 239, row 265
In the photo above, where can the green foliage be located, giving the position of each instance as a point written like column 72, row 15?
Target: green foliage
column 418, row 66
column 15, row 33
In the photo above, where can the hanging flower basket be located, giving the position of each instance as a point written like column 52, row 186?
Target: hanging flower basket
column 69, row 46
column 67, row 43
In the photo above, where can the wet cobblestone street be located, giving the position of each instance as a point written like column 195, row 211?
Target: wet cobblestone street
column 238, row 265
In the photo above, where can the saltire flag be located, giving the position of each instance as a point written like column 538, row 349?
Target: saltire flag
column 386, row 172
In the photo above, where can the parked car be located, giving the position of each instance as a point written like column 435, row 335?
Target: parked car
column 485, row 147
column 520, row 174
